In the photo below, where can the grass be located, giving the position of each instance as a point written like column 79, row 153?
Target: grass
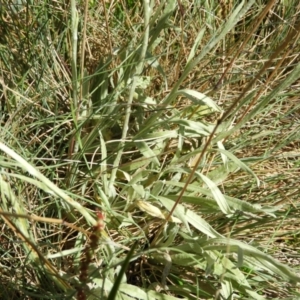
column 149, row 151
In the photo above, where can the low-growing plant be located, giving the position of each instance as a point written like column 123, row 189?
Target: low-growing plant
column 149, row 150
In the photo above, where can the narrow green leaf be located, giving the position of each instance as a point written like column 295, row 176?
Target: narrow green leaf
column 148, row 152
column 196, row 44
column 188, row 216
column 239, row 163
column 240, row 258
column 113, row 293
column 134, row 292
column 199, row 98
column 218, row 196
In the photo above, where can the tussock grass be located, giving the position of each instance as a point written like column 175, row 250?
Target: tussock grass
column 149, row 150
